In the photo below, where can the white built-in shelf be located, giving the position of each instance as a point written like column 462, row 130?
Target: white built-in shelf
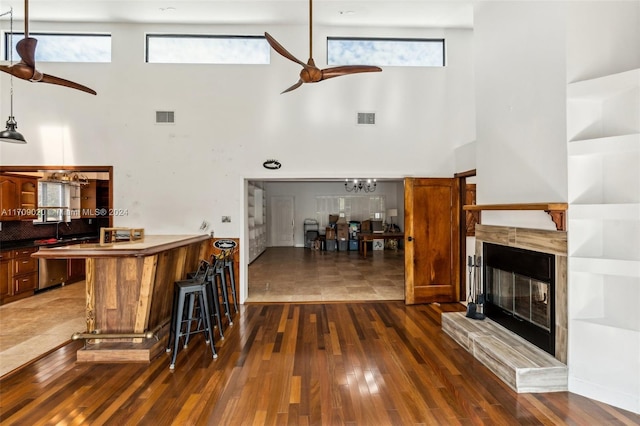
column 599, row 265
column 609, row 144
column 627, row 211
column 616, row 324
column 603, row 87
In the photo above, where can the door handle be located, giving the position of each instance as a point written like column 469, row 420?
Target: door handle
column 409, row 238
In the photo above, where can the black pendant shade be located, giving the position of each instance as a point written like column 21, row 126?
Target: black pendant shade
column 11, row 135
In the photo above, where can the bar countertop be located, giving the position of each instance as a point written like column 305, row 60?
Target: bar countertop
column 151, row 244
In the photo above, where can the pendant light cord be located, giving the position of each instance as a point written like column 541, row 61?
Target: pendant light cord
column 10, row 13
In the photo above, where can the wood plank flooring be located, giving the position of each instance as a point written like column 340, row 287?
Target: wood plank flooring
column 369, row 363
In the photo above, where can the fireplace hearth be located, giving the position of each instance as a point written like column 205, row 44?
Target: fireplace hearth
column 520, row 292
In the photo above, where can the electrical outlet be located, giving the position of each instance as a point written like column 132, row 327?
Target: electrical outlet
column 226, row 219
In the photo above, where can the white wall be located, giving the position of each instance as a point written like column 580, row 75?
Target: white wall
column 229, row 119
column 525, row 53
column 520, row 102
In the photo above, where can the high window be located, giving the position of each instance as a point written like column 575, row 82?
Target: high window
column 63, row 47
column 206, row 49
column 385, row 52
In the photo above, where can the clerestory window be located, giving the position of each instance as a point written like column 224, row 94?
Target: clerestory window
column 385, row 52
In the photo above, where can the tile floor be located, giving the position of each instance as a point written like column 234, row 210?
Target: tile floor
column 34, row 326
column 290, row 274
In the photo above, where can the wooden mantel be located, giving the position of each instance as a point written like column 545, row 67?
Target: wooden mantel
column 557, row 211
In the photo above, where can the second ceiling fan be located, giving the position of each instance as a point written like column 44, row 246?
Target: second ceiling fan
column 310, row 72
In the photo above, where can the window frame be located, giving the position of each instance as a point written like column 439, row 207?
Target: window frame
column 149, row 36
column 53, row 213
column 18, row 35
column 392, row 39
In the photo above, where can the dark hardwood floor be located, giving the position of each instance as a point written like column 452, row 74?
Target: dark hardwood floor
column 370, row 363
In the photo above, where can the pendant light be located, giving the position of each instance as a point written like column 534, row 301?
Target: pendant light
column 11, row 135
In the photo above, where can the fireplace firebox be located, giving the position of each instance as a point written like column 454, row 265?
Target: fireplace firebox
column 520, row 292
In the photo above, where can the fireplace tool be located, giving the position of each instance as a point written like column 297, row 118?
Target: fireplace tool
column 474, row 299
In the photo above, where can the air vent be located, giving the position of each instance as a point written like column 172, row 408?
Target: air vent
column 366, row 118
column 165, row 117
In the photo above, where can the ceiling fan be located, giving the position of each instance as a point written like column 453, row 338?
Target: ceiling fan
column 310, row 72
column 26, row 68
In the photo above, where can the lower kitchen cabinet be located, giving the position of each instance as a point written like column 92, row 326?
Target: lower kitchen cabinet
column 5, row 275
column 18, row 274
column 76, row 270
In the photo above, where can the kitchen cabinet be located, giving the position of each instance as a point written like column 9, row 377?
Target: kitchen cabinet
column 76, row 270
column 88, row 200
column 5, row 274
column 18, row 197
column 18, row 274
column 25, row 270
column 28, row 198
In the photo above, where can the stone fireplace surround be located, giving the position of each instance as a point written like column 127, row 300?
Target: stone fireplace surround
column 523, row 366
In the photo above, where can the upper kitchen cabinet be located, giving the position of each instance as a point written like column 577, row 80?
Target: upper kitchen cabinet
column 88, row 199
column 18, row 197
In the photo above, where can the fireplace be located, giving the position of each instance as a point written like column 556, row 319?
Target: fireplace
column 520, row 292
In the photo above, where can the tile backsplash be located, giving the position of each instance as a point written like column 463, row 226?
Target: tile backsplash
column 26, row 230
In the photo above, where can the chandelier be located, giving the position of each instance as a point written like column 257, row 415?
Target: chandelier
column 358, row 185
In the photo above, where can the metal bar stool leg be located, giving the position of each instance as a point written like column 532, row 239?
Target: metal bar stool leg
column 172, row 324
column 177, row 326
column 229, row 265
column 189, row 312
column 225, row 295
column 214, row 302
column 207, row 320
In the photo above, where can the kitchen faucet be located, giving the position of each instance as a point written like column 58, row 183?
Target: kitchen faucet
column 58, row 229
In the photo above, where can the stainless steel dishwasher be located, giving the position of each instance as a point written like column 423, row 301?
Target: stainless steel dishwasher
column 52, row 272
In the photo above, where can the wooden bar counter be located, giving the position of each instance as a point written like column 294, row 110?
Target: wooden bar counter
column 129, row 287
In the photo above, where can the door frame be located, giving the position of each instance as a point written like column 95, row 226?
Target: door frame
column 462, row 184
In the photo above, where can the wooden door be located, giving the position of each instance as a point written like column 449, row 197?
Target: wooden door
column 432, row 240
column 282, row 221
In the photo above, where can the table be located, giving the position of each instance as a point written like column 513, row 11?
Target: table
column 129, row 289
column 364, row 237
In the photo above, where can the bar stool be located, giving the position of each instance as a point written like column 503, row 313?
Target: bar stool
column 188, row 293
column 213, row 294
column 220, row 279
column 229, row 266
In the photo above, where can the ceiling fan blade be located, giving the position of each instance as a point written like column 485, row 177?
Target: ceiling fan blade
column 46, row 78
column 27, row 50
column 295, row 86
column 348, row 69
column 19, row 70
column 282, row 51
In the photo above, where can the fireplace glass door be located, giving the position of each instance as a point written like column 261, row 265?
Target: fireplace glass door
column 523, row 297
column 519, row 292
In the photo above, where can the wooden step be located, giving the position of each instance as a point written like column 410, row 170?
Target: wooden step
column 520, row 364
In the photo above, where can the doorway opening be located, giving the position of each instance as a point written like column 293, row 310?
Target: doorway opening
column 286, row 269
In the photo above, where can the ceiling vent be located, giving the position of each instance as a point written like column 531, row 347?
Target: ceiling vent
column 164, row 117
column 366, row 118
